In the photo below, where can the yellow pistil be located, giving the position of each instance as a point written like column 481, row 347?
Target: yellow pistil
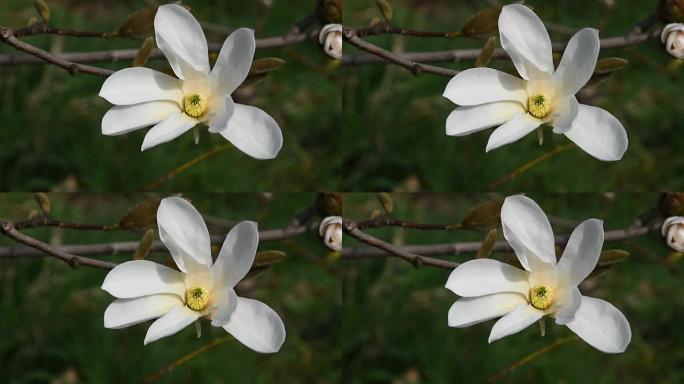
column 538, row 106
column 195, row 105
column 541, row 297
column 196, row 298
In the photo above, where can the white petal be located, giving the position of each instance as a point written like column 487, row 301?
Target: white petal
column 126, row 312
column 182, row 230
column 484, row 85
column 180, row 38
column 138, row 85
column 254, row 132
column 234, row 61
column 598, row 133
column 520, row 318
column 123, row 119
column 486, row 276
column 472, row 310
column 225, row 302
column 527, row 229
column 175, row 125
column 564, row 112
column 176, row 319
column 513, row 130
column 470, row 119
column 578, row 62
column 568, row 301
column 237, row 254
column 601, row 325
column 221, row 113
column 257, row 326
column 139, row 278
column 581, row 253
column 524, row 37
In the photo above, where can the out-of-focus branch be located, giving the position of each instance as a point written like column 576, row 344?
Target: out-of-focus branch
column 388, row 221
column 635, row 230
column 387, row 27
column 412, row 59
column 42, row 28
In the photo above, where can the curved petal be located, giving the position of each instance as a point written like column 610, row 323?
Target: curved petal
column 527, row 229
column 234, row 61
column 581, row 253
column 225, row 304
column 257, row 326
column 254, row 132
column 176, row 319
column 472, row 310
column 470, row 119
column 221, row 113
column 138, row 85
column 180, row 38
column 598, row 133
column 565, row 111
column 237, row 254
column 520, row 318
column 513, row 130
column 601, row 325
column 578, row 62
column 123, row 119
column 175, row 125
column 126, row 312
column 139, row 278
column 182, row 230
column 484, row 85
column 524, row 37
column 568, row 301
column 486, row 276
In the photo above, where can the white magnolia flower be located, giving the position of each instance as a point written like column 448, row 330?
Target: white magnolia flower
column 331, row 231
column 145, row 97
column 492, row 289
column 146, row 290
column 490, row 98
column 331, row 38
column 673, row 232
column 673, row 38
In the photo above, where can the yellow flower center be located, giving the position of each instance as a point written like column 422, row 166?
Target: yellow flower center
column 195, row 105
column 541, row 297
column 196, row 298
column 539, row 105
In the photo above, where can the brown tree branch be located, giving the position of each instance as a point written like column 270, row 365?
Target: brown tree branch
column 388, row 221
column 43, row 28
column 387, row 27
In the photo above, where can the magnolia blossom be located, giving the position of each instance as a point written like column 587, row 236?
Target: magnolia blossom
column 145, row 97
column 198, row 288
column 490, row 98
column 492, row 289
column 673, row 38
column 673, row 232
column 331, row 231
column 331, row 38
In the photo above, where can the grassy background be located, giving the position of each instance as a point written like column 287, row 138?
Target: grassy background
column 50, row 121
column 51, row 315
column 395, row 316
column 394, row 132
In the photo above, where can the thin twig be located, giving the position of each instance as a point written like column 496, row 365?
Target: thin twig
column 531, row 357
column 42, row 28
column 71, row 67
column 74, row 261
column 388, row 221
column 44, row 221
column 184, row 167
column 162, row 372
column 387, row 27
column 497, row 183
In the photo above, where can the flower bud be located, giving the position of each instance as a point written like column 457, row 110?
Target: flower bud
column 329, row 11
column 671, row 204
column 673, row 232
column 673, row 38
column 329, row 204
column 671, row 11
column 331, row 231
column 331, row 38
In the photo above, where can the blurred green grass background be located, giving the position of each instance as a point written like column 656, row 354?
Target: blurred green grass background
column 51, row 315
column 395, row 316
column 394, row 122
column 50, row 121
